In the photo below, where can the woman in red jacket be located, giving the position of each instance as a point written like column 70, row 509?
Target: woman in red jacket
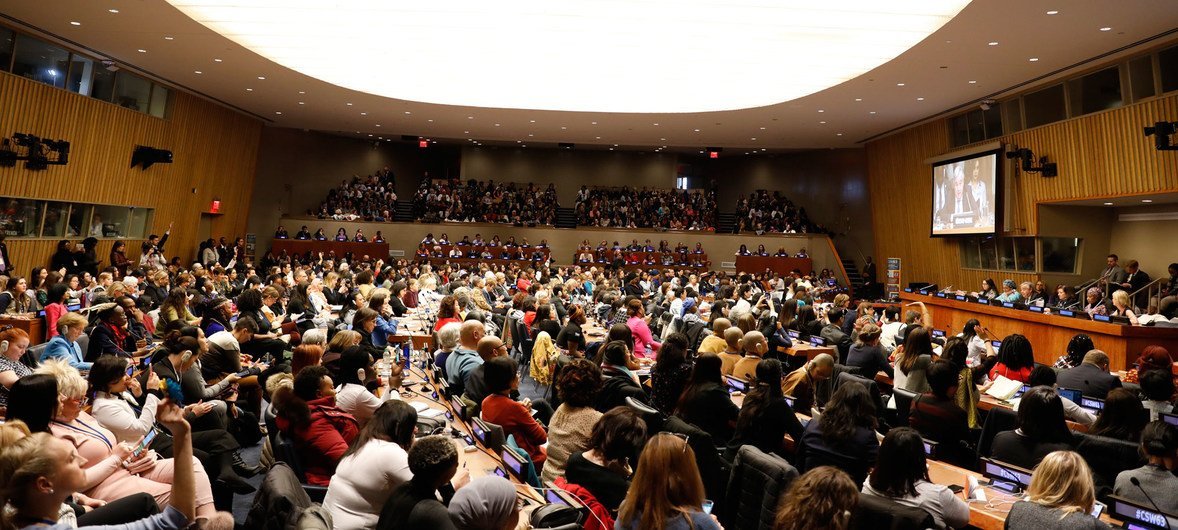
column 502, row 376
column 321, row 432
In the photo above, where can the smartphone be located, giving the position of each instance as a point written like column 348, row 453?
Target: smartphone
column 1097, row 509
column 466, row 438
column 449, row 416
column 956, row 488
column 244, row 373
column 145, row 443
column 707, row 507
column 130, row 369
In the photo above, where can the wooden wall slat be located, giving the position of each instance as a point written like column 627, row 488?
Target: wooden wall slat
column 1103, row 154
column 215, row 151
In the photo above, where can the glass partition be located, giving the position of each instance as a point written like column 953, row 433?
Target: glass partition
column 20, row 218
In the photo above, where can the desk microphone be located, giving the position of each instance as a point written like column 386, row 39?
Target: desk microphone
column 1137, row 483
column 426, row 396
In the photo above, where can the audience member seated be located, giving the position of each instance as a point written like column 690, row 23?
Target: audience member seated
column 309, row 417
column 618, row 381
column 1157, row 391
column 1079, row 345
column 802, row 384
column 765, row 418
column 375, row 465
column 438, row 200
column 938, row 417
column 352, row 396
column 371, row 198
column 502, row 377
column 1060, row 497
column 1159, row 444
column 447, row 343
column 433, row 463
column 755, row 347
column 11, row 367
column 901, row 475
column 762, row 212
column 627, row 207
column 670, row 373
column 822, row 498
column 843, row 434
column 732, row 350
column 956, row 352
column 867, row 355
column 1045, row 376
column 912, row 359
column 667, row 491
column 1041, row 430
column 714, row 342
column 1091, row 377
column 571, row 427
column 65, row 345
column 604, row 467
column 1122, row 418
column 706, row 403
column 1016, row 359
column 488, row 502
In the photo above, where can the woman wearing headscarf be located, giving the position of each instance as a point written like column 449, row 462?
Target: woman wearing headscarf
column 487, row 503
column 1009, row 293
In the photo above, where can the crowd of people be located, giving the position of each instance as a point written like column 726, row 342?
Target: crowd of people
column 644, row 254
column 764, row 212
column 184, row 366
column 370, row 198
column 438, row 200
column 629, row 207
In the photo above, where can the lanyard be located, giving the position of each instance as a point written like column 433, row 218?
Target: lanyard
column 88, row 431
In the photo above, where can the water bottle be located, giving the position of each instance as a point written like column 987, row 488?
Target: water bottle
column 406, row 352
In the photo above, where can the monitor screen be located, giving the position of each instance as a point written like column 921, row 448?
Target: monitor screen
column 1011, row 475
column 789, row 400
column 930, row 448
column 737, row 384
column 459, row 406
column 965, row 199
column 939, row 333
column 1126, row 510
column 1071, row 394
column 500, row 472
column 553, row 497
column 513, row 462
column 793, row 334
column 817, row 341
column 996, row 344
column 1093, row 404
column 479, row 432
column 1172, row 419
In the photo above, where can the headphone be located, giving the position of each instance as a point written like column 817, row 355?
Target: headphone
column 186, row 356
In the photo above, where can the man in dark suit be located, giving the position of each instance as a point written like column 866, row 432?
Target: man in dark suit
column 5, row 261
column 957, row 200
column 1113, row 273
column 1092, row 377
column 1135, row 279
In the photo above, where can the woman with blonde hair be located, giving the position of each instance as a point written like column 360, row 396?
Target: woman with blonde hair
column 821, row 499
column 1060, row 497
column 666, row 492
column 1122, row 307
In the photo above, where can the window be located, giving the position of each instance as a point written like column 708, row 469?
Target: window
column 1012, row 115
column 81, row 75
column 1141, row 78
column 7, row 42
column 132, row 91
column 680, row 183
column 977, row 125
column 103, row 85
column 1095, row 92
column 1045, row 106
column 1019, row 254
column 1060, row 254
column 159, row 101
column 1168, row 68
column 55, row 219
column 20, row 218
column 40, row 61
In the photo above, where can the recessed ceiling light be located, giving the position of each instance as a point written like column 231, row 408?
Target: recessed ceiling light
column 762, row 128
column 431, row 121
column 531, row 135
column 593, row 123
column 598, row 137
column 1108, row 204
column 169, row 37
column 217, row 60
column 302, row 92
column 972, row 82
column 662, row 139
column 993, row 43
column 919, row 99
column 839, row 134
column 1053, row 12
column 249, row 90
column 1106, row 29
column 363, row 113
column 822, row 123
column 141, row 50
column 821, row 110
column 1146, row 200
column 280, row 112
column 378, row 125
column 349, row 104
column 302, row 103
column 199, row 72
column 470, row 117
column 1033, row 59
column 532, row 121
column 75, row 22
column 753, row 139
column 899, row 84
column 465, row 132
column 407, row 112
column 563, row 128
column 113, row 10
column 370, row 135
column 261, row 78
column 656, row 125
column 858, row 99
column 495, row 124
column 873, row 112
column 697, row 130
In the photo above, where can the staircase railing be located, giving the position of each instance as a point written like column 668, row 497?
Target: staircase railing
column 1154, row 287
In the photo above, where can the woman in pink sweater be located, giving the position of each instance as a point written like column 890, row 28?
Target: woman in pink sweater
column 640, row 330
column 55, row 307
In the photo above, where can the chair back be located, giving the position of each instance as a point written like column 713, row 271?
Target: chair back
column 1107, row 457
column 878, row 513
column 870, row 384
column 83, row 343
column 904, row 400
column 998, row 419
column 757, row 482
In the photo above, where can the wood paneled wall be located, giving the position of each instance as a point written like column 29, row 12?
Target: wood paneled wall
column 215, row 151
column 1099, row 155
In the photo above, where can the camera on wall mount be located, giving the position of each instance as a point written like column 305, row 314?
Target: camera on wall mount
column 1161, row 132
column 1026, row 159
column 37, row 153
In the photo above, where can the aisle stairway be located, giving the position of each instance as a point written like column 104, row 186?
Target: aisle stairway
column 566, row 218
column 856, row 279
column 725, row 222
column 404, row 213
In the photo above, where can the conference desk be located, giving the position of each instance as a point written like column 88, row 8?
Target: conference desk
column 303, row 246
column 1049, row 334
column 807, row 350
column 780, row 265
column 34, row 326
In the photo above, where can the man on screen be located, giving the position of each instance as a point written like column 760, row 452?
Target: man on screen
column 959, row 209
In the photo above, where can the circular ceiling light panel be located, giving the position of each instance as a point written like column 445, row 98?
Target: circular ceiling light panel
column 647, row 56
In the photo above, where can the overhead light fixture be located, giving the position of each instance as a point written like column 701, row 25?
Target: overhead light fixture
column 141, row 50
column 1053, row 12
column 169, row 37
column 1147, row 200
column 217, row 60
column 1106, row 29
column 1108, row 204
column 993, row 43
column 113, row 10
column 986, row 104
column 1033, row 59
column 198, row 72
column 75, row 22
column 600, row 59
